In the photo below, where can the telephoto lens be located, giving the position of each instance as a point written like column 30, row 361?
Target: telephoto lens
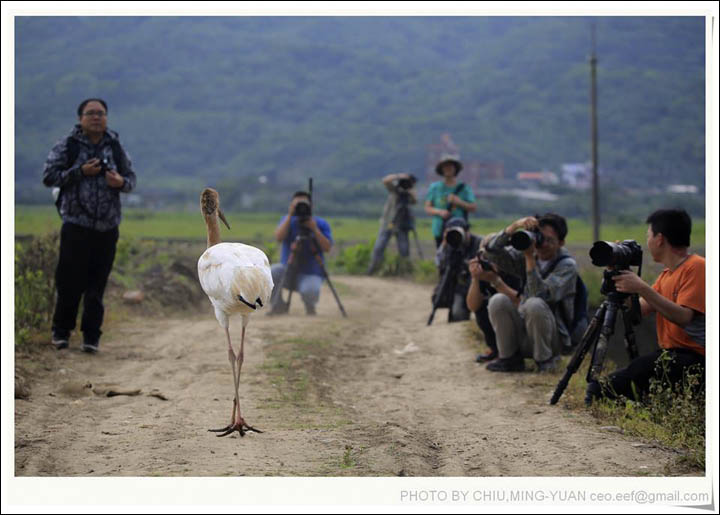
column 521, row 240
column 455, row 237
column 620, row 255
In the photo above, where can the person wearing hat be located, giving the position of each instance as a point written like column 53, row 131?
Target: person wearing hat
column 397, row 218
column 448, row 198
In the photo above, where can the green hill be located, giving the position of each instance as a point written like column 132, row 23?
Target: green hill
column 221, row 100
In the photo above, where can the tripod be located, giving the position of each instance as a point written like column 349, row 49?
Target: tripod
column 597, row 335
column 447, row 285
column 291, row 271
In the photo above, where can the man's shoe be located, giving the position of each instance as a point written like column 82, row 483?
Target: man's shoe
column 60, row 342
column 310, row 310
column 91, row 347
column 548, row 366
column 488, row 356
column 513, row 364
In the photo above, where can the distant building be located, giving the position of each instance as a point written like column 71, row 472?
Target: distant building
column 435, row 151
column 577, row 175
column 538, row 177
column 683, row 188
column 474, row 173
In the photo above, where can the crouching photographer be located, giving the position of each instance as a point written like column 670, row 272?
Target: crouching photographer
column 482, row 273
column 304, row 239
column 458, row 246
column 533, row 320
column 678, row 299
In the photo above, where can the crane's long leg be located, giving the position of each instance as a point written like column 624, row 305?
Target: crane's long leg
column 238, row 423
column 232, row 359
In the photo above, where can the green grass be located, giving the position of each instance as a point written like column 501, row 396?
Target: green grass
column 259, row 227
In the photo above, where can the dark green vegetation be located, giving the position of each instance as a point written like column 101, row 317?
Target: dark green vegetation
column 221, row 101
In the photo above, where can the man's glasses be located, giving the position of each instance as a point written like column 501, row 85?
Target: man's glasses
column 99, row 114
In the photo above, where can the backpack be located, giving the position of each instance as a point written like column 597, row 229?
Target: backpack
column 580, row 303
column 73, row 150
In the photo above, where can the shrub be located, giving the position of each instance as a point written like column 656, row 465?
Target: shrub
column 355, row 259
column 35, row 264
column 425, row 271
column 395, row 265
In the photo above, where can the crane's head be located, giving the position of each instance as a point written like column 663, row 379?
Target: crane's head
column 210, row 205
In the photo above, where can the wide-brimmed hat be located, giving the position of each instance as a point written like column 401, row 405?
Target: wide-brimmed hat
column 448, row 158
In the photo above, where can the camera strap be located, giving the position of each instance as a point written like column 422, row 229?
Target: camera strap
column 457, row 190
column 73, row 151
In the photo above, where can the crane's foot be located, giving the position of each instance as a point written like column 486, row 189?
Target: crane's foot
column 240, row 426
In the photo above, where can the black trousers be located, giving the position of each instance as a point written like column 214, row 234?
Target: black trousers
column 643, row 368
column 85, row 261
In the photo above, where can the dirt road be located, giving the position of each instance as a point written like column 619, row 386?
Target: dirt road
column 376, row 394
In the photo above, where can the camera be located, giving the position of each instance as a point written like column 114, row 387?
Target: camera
column 484, row 263
column 521, row 240
column 104, row 165
column 619, row 255
column 302, row 210
column 404, row 183
column 455, row 236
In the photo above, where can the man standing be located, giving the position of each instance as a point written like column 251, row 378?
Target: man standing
column 91, row 169
column 315, row 239
column 534, row 320
column 397, row 219
column 448, row 198
column 678, row 299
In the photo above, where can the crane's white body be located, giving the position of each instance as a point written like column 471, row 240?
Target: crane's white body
column 227, row 270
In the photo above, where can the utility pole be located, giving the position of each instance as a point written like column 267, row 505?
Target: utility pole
column 594, row 137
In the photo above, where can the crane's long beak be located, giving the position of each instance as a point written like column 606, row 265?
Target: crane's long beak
column 222, row 217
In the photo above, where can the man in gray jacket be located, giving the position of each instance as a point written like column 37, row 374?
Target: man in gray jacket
column 91, row 169
column 531, row 322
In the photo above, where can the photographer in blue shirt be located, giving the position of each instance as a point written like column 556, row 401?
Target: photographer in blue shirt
column 303, row 237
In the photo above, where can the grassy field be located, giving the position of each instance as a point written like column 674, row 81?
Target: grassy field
column 258, row 227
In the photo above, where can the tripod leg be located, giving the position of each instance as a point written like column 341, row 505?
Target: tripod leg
column 440, row 291
column 588, row 341
column 316, row 255
column 598, row 359
column 630, row 344
column 289, row 273
column 417, row 244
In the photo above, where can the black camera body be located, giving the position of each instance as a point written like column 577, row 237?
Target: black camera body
column 404, row 183
column 484, row 263
column 521, row 240
column 104, row 165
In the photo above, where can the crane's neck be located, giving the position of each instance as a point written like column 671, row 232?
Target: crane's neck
column 213, row 230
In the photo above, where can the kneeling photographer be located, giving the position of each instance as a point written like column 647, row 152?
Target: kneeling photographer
column 678, row 299
column 533, row 320
column 303, row 236
column 397, row 219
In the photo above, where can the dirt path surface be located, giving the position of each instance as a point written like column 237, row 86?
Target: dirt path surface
column 376, row 394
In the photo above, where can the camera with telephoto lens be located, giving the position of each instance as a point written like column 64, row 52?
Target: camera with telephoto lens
column 302, row 210
column 521, row 240
column 455, row 236
column 617, row 255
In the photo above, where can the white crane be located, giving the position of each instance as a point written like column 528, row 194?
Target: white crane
column 237, row 279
